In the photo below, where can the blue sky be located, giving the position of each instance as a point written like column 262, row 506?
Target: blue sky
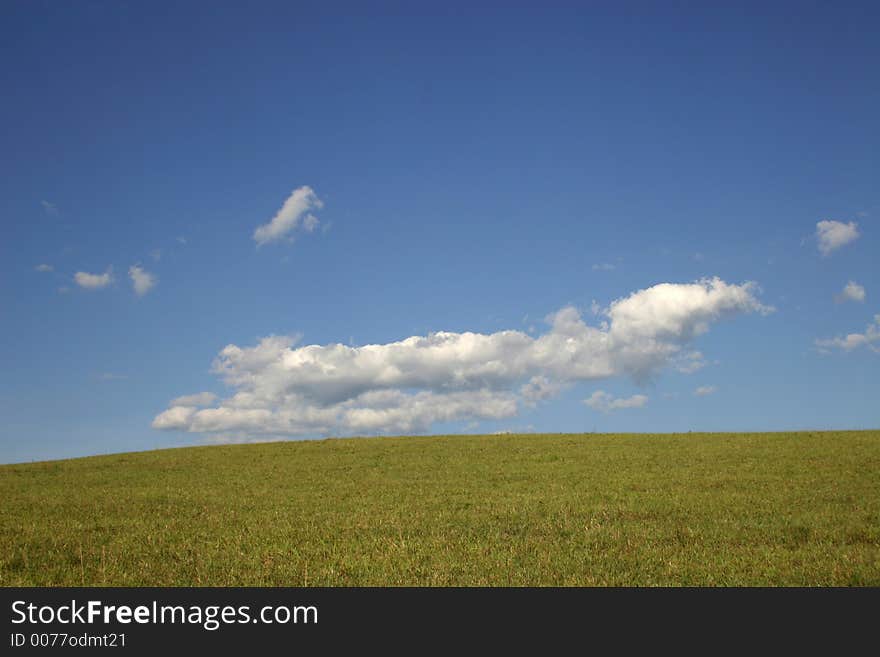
column 471, row 170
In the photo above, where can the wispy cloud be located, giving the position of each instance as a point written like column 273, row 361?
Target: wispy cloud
column 870, row 338
column 44, row 267
column 198, row 399
column 603, row 266
column 156, row 254
column 703, row 391
column 310, row 223
column 49, row 208
column 93, row 281
column 690, row 362
column 287, row 219
column 142, row 280
column 111, row 376
column 605, row 402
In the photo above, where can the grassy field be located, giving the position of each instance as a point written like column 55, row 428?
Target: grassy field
column 687, row 509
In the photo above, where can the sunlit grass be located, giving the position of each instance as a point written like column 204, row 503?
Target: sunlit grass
column 687, row 509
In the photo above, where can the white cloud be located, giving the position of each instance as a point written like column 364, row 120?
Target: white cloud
column 44, row 267
column 93, row 281
column 176, row 417
column 405, row 386
column 199, row 399
column 605, row 402
column 690, row 362
column 49, row 208
column 181, row 239
column 142, row 280
column 287, row 219
column 868, row 339
column 852, row 291
column 650, row 327
column 703, row 391
column 603, row 266
column 834, row 234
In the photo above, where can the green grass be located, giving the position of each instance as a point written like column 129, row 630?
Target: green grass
column 687, row 509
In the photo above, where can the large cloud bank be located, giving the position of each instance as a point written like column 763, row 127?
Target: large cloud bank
column 280, row 389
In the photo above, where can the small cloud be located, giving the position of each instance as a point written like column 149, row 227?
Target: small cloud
column 852, row 291
column 605, row 403
column 603, row 266
column 287, row 219
column 110, row 376
column 44, row 267
column 704, row 391
column 142, row 280
column 690, row 362
column 851, row 341
column 310, row 223
column 156, row 254
column 50, row 208
column 699, row 257
column 834, row 234
column 93, row 281
column 181, row 239
column 63, row 289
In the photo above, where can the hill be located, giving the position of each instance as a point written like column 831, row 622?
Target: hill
column 686, row 509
